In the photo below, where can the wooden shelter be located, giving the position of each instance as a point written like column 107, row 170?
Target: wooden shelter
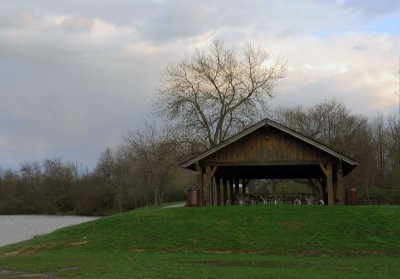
column 268, row 150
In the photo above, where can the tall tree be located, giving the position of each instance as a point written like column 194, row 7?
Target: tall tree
column 153, row 157
column 215, row 92
column 394, row 151
column 329, row 122
column 334, row 125
column 380, row 139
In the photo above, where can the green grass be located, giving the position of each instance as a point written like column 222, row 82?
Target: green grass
column 232, row 242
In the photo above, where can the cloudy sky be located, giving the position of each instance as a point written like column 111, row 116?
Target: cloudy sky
column 77, row 75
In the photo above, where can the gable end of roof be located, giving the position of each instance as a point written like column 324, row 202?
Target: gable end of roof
column 267, row 122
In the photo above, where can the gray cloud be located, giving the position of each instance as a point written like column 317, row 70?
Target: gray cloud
column 372, row 8
column 75, row 76
column 77, row 24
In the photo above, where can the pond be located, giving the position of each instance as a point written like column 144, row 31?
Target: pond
column 16, row 228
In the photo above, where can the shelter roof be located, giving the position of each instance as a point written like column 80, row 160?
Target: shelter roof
column 191, row 163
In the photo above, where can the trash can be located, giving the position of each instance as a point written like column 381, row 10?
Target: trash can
column 193, row 197
column 351, row 196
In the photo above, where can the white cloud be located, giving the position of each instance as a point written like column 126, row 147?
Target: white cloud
column 75, row 76
column 337, row 67
column 81, row 24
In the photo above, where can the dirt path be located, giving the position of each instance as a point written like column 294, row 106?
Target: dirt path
column 175, row 205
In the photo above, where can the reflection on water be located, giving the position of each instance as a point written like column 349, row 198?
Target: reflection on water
column 15, row 228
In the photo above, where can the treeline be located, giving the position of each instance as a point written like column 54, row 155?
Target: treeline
column 143, row 171
column 374, row 142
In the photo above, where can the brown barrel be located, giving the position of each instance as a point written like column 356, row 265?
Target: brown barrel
column 351, row 196
column 193, row 198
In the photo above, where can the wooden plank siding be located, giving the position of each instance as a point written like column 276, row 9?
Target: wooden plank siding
column 275, row 146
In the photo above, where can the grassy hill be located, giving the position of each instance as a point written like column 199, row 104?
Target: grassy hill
column 234, row 242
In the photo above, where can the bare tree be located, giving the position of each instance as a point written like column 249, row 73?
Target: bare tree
column 213, row 93
column 106, row 167
column 393, row 132
column 57, row 179
column 153, row 159
column 380, row 139
column 334, row 125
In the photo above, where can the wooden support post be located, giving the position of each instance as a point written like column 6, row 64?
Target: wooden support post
column 231, row 190
column 225, row 190
column 208, row 186
column 334, row 185
column 214, row 169
column 210, row 197
column 237, row 187
column 201, row 182
column 212, row 190
column 218, row 185
column 214, row 197
column 329, row 183
column 324, row 190
column 245, row 183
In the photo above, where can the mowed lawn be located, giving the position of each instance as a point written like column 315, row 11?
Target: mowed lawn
column 282, row 241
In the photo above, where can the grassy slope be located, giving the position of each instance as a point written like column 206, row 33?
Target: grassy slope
column 235, row 242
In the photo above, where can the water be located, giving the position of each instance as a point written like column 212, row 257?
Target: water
column 16, row 228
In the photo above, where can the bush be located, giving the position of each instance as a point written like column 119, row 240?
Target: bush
column 394, row 196
column 383, row 196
